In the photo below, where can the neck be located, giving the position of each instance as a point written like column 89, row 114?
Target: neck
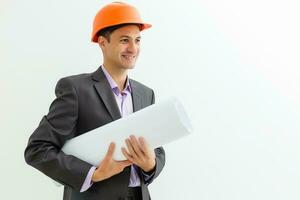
column 119, row 75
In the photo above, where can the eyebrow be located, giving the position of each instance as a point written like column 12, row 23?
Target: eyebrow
column 126, row 36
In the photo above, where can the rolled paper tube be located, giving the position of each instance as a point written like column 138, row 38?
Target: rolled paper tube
column 159, row 124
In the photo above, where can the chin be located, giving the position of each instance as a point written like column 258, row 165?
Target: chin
column 129, row 66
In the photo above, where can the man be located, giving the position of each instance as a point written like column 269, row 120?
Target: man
column 87, row 101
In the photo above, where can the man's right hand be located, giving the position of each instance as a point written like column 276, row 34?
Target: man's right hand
column 108, row 166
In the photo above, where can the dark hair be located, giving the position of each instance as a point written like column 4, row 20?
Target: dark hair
column 105, row 32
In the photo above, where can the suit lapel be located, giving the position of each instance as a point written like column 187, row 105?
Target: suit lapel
column 136, row 96
column 104, row 91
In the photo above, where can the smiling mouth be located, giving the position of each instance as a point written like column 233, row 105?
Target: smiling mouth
column 128, row 57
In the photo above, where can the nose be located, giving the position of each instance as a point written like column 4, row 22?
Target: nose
column 133, row 47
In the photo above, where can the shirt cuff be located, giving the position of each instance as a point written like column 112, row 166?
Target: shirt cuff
column 88, row 180
column 148, row 175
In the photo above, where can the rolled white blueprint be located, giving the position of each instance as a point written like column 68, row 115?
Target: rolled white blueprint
column 159, row 124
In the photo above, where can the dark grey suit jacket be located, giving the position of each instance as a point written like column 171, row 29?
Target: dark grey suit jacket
column 84, row 102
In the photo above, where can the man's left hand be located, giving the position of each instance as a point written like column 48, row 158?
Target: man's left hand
column 139, row 153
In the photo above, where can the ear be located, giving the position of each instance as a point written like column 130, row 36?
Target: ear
column 101, row 41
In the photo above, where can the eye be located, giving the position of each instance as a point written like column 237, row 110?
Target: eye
column 138, row 40
column 124, row 40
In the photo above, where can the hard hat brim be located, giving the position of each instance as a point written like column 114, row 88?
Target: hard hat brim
column 142, row 25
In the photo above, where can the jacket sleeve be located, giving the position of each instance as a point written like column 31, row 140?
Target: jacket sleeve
column 159, row 157
column 44, row 146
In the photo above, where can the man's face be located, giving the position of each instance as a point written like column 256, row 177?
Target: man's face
column 123, row 48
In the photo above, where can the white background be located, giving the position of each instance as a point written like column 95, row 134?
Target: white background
column 234, row 64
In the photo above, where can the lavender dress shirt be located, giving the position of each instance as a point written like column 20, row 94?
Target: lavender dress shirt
column 124, row 101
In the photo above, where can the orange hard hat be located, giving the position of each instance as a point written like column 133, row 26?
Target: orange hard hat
column 114, row 14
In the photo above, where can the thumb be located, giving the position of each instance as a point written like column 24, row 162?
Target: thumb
column 124, row 163
column 110, row 151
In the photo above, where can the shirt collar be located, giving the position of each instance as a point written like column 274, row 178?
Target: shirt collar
column 113, row 84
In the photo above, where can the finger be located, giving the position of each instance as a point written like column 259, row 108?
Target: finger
column 126, row 154
column 144, row 145
column 130, row 148
column 136, row 146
